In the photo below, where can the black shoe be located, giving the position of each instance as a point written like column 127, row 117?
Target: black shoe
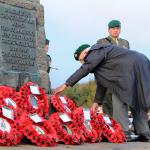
column 144, row 137
column 130, row 136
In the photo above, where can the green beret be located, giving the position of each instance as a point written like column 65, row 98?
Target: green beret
column 46, row 42
column 114, row 23
column 79, row 50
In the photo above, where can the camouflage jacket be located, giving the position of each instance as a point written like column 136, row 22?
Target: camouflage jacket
column 108, row 40
column 48, row 61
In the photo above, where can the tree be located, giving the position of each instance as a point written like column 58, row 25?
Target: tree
column 82, row 94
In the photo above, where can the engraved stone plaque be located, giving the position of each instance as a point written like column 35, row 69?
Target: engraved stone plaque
column 17, row 45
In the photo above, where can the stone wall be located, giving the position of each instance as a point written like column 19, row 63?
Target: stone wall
column 38, row 74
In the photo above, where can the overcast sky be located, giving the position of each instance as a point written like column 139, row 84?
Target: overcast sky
column 70, row 23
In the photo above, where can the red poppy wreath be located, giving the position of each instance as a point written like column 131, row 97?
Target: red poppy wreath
column 10, row 97
column 110, row 128
column 9, row 101
column 62, row 103
column 83, row 117
column 10, row 133
column 67, row 130
column 34, row 99
column 10, row 127
column 38, row 130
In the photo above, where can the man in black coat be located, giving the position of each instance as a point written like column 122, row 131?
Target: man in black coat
column 125, row 73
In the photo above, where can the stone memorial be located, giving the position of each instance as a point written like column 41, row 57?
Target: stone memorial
column 22, row 39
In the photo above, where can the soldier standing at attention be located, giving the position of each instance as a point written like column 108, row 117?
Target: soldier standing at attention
column 48, row 61
column 114, row 29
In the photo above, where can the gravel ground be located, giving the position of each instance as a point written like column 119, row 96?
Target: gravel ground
column 95, row 146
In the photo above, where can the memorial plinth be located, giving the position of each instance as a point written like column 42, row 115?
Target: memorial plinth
column 22, row 37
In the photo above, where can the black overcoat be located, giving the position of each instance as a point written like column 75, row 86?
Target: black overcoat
column 124, row 72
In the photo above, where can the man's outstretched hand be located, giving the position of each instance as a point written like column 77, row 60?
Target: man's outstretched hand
column 96, row 108
column 59, row 89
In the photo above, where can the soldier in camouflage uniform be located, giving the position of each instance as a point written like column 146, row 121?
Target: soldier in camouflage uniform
column 48, row 60
column 114, row 28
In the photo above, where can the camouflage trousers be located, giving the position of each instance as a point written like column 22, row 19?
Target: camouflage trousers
column 107, row 103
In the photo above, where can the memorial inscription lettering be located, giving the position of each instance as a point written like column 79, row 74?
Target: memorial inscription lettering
column 17, row 39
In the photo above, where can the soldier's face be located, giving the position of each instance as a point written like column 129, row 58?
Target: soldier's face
column 83, row 55
column 114, row 32
column 46, row 48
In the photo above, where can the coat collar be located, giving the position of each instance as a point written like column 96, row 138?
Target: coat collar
column 99, row 46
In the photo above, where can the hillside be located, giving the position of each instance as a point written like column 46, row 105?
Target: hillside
column 82, row 94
